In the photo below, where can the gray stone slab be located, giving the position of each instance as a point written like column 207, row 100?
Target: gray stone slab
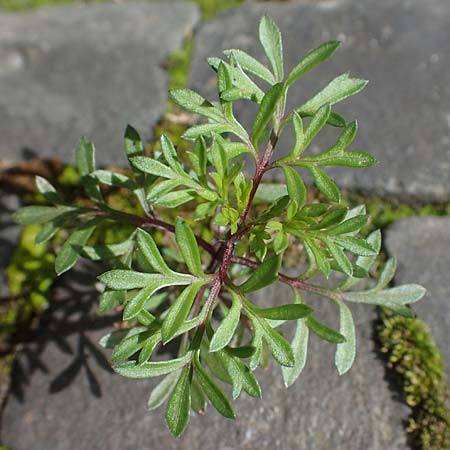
column 85, row 70
column 9, row 234
column 401, row 46
column 422, row 247
column 56, row 403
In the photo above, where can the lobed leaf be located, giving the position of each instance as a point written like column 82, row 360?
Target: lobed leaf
column 270, row 38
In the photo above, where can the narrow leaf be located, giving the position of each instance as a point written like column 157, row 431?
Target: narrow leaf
column 250, row 64
column 295, row 185
column 188, row 246
column 162, row 390
column 325, row 184
column 345, row 352
column 270, row 38
column 324, row 332
column 264, row 275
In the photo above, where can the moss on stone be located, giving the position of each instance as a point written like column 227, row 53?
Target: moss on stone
column 414, row 357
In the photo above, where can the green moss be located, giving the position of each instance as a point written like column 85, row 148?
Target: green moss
column 415, row 358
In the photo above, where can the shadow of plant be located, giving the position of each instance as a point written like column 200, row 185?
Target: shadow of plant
column 72, row 325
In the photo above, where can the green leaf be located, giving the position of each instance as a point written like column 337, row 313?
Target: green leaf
column 198, row 399
column 270, row 38
column 206, row 129
column 387, row 274
column 400, row 295
column 284, row 312
column 337, row 90
column 113, row 179
column 270, row 192
column 325, row 184
column 264, row 275
column 354, row 159
column 319, row 256
column 85, row 159
column 137, row 304
column 345, row 352
column 349, row 225
column 179, row 311
column 266, row 111
column 279, row 347
column 212, row 390
column 162, row 390
column 151, row 253
column 355, row 245
column 131, row 344
column 133, row 142
column 170, row 154
column 188, row 246
column 193, row 102
column 149, row 165
column 250, row 64
column 109, row 300
column 295, row 186
column 47, row 190
column 300, row 348
column 68, row 255
column 131, row 369
column 340, row 257
column 246, row 351
column 226, row 329
column 129, row 279
column 324, row 332
column 311, row 60
column 98, row 252
column 318, row 121
column 41, row 214
column 299, row 142
column 179, row 404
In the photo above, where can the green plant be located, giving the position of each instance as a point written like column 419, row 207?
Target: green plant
column 232, row 239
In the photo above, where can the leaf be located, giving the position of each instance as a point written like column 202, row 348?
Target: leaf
column 137, row 304
column 170, row 154
column 179, row 311
column 162, row 390
column 355, row 245
column 319, row 256
column 251, row 65
column 206, row 129
column 193, row 102
column 264, row 275
column 387, row 274
column 279, row 347
column 98, row 252
column 270, row 192
column 179, row 404
column 85, row 159
column 188, row 246
column 47, row 231
column 284, row 312
column 41, row 214
column 300, row 348
column 131, row 344
column 151, row 253
column 295, row 186
column 68, row 255
column 113, row 179
column 337, row 90
column 109, row 300
column 346, row 351
column 270, row 38
column 349, row 225
column 226, row 329
column 198, row 399
column 149, row 165
column 299, row 141
column 400, row 295
column 340, row 257
column 129, row 279
column 325, row 184
column 215, row 394
column 318, row 121
column 266, row 111
column 354, row 159
column 311, row 60
column 47, row 190
column 133, row 142
column 131, row 369
column 324, row 332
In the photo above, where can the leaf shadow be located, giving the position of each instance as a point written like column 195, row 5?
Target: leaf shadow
column 67, row 331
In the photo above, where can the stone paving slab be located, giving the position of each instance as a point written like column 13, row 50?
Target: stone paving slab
column 85, row 70
column 402, row 46
column 422, row 247
column 64, row 397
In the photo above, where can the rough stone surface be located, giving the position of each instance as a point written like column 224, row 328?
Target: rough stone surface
column 421, row 245
column 85, row 70
column 400, row 45
column 9, row 234
column 64, row 397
